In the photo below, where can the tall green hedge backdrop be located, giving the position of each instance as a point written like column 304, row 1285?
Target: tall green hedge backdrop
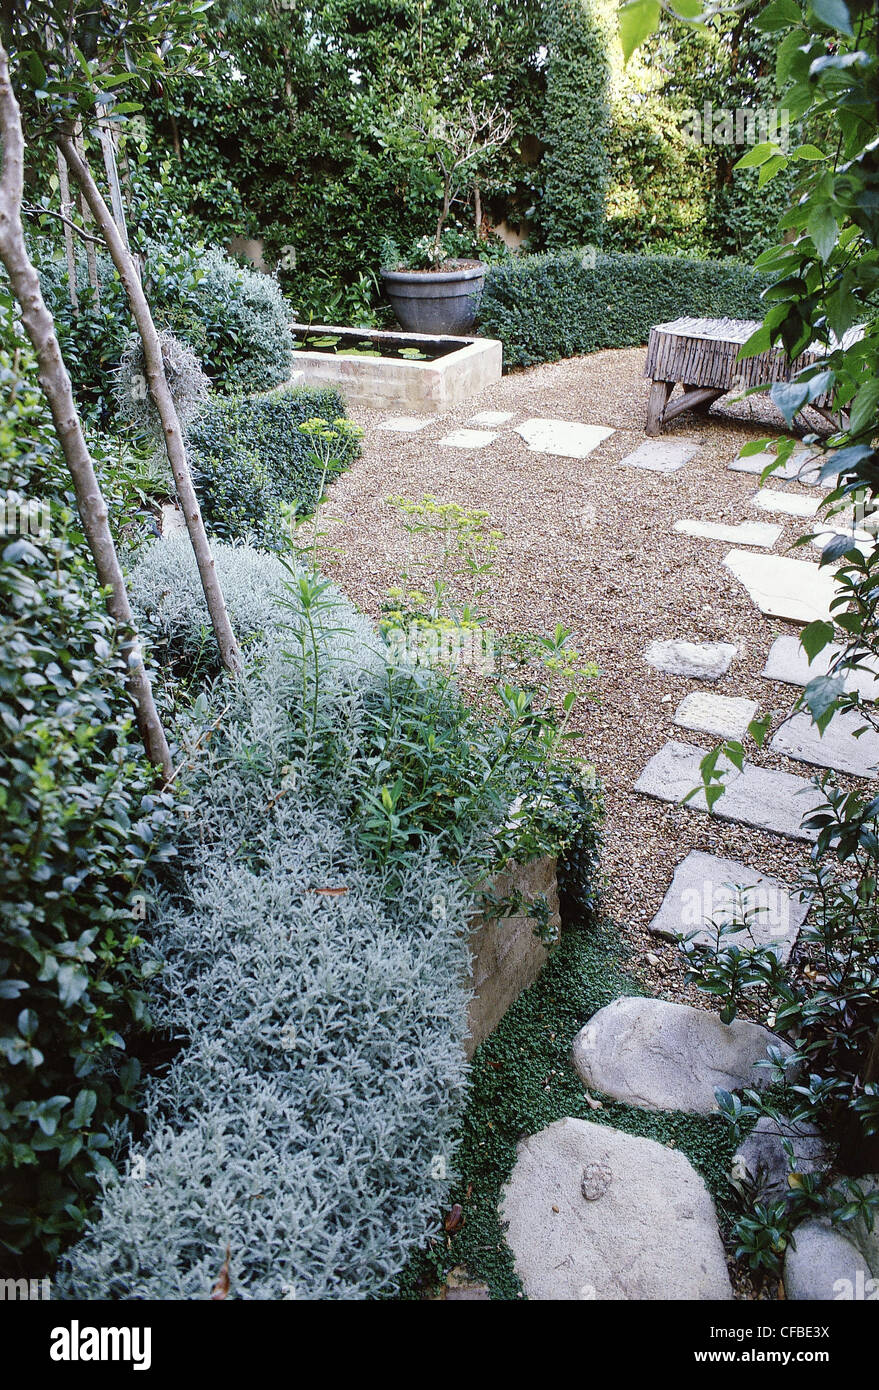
column 278, row 137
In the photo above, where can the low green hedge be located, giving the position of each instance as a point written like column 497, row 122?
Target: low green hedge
column 251, row 462
column 551, row 306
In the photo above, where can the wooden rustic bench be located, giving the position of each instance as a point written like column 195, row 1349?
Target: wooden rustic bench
column 701, row 355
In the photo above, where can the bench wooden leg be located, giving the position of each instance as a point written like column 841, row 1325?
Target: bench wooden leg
column 656, row 403
column 697, row 398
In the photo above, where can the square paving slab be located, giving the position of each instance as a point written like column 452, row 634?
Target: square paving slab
column 707, row 889
column 725, row 716
column 788, row 662
column 706, row 661
column 837, row 748
column 784, row 588
column 802, row 466
column 468, row 439
column 760, row 533
column 769, row 499
column 755, row 796
column 564, row 438
column 405, row 424
column 490, row 419
column 662, row 455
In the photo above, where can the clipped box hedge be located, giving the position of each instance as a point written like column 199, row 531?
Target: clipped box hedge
column 249, row 459
column 551, row 306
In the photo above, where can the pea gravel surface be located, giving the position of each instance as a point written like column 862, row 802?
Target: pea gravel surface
column 591, row 544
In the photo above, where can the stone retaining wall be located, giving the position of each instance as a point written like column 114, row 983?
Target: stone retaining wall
column 506, row 955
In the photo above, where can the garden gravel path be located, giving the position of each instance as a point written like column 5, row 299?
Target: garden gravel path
column 593, row 545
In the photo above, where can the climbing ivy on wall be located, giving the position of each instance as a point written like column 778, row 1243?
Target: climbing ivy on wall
column 278, row 134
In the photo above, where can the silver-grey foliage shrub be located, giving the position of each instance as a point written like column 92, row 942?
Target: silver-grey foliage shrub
column 306, row 1123
column 188, row 384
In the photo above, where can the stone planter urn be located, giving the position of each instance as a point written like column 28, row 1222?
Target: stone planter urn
column 437, row 302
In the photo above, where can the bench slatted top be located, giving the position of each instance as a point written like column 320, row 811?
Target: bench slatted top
column 702, row 353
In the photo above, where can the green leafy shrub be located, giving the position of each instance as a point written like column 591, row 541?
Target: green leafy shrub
column 235, row 319
column 551, row 306
column 79, row 819
column 239, row 324
column 576, row 124
column 254, row 467
column 310, row 952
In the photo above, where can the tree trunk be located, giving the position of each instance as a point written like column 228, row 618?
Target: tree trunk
column 90, row 255
column 56, row 384
column 160, row 392
column 70, row 249
column 108, row 150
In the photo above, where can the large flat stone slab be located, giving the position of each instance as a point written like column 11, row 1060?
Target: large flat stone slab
column 709, row 889
column 662, row 1056
column 803, row 466
column 724, row 716
column 784, row 588
column 706, row 661
column 757, row 796
column 593, row 1213
column 566, row 438
column 837, row 748
column 769, row 499
column 759, row 533
column 824, row 1266
column 662, row 455
column 789, row 663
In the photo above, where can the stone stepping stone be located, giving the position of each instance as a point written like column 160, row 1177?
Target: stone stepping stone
column 724, row 716
column 784, row 588
column 758, row 796
column 858, row 540
column 662, row 1056
column 662, row 455
column 825, row 1266
column 801, row 467
column 593, row 1213
column 707, row 888
column 837, row 748
column 745, row 533
column 791, row 503
column 468, row 439
column 490, row 419
column 405, row 424
column 763, row 1157
column 706, row 661
column 564, row 438
column 789, row 663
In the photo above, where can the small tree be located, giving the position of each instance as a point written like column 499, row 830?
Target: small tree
column 55, row 382
column 458, row 145
column 67, row 62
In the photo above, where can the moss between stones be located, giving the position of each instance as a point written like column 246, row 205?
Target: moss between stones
column 522, row 1080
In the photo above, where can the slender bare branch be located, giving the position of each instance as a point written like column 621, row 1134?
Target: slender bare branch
column 157, row 381
column 55, row 382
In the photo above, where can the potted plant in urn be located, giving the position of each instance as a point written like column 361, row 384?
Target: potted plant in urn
column 430, row 289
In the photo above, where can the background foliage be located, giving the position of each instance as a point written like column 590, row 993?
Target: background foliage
column 79, row 819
